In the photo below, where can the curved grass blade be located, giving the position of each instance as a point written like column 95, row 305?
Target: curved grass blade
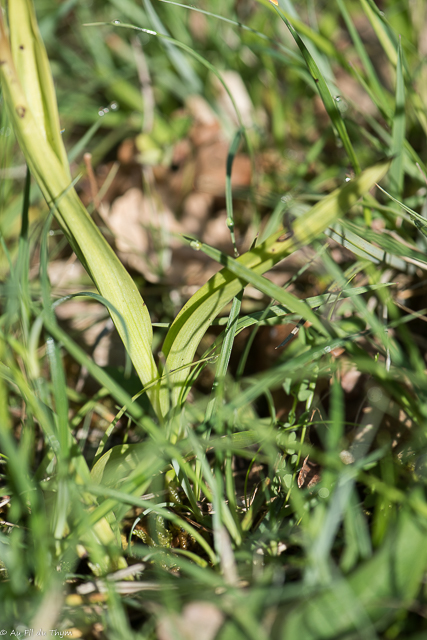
column 52, row 174
column 124, row 409
column 301, row 365
column 218, row 389
column 384, row 34
column 197, row 314
column 262, row 284
column 186, row 48
column 325, row 94
column 240, row 25
column 80, row 146
column 230, row 332
column 69, row 457
column 381, row 96
column 390, row 44
column 176, row 57
column 97, row 372
column 282, row 315
column 228, row 190
column 106, row 303
column 389, row 251
column 272, row 316
column 322, row 44
column 114, row 497
column 418, row 220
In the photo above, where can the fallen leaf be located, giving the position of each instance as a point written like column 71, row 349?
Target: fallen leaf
column 198, row 621
column 309, row 474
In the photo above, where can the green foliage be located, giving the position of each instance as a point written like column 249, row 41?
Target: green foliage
column 204, row 498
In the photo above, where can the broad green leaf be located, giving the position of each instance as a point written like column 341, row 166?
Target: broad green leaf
column 115, row 466
column 32, row 66
column 197, row 314
column 51, row 171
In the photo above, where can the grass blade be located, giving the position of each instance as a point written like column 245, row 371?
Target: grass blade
column 178, row 60
column 379, row 92
column 384, row 34
column 325, row 94
column 52, row 175
column 398, row 132
column 183, row 337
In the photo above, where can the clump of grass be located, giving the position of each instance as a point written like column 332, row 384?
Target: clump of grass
column 270, row 507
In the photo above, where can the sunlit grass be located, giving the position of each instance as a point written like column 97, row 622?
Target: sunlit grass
column 187, row 498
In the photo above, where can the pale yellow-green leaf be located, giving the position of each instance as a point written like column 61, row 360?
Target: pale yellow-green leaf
column 33, row 69
column 381, row 32
column 107, row 272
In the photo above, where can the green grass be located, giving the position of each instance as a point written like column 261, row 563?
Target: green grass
column 167, row 498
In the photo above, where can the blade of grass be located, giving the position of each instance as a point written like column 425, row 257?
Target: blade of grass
column 364, row 249
column 262, row 284
column 114, row 496
column 52, row 175
column 383, row 32
column 396, row 173
column 299, row 365
column 320, row 548
column 325, row 94
column 228, row 191
column 240, row 25
column 186, row 48
column 191, row 323
column 178, row 60
column 392, row 574
column 416, row 218
column 382, row 98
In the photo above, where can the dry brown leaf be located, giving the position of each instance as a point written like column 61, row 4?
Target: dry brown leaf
column 216, row 231
column 211, row 169
column 198, row 621
column 65, row 275
column 349, row 379
column 142, row 229
column 241, row 97
column 196, row 209
column 309, row 474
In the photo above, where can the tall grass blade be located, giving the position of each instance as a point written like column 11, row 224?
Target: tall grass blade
column 191, row 323
column 398, row 131
column 382, row 98
column 325, row 94
column 383, row 32
column 178, row 60
column 50, row 168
